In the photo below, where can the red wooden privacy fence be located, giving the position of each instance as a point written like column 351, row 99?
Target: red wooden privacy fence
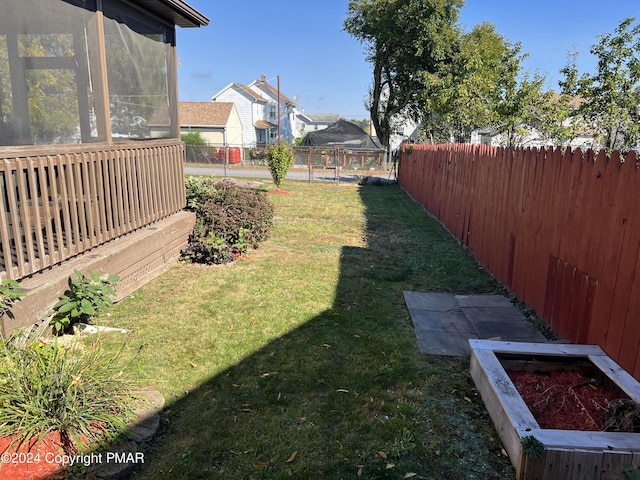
column 560, row 229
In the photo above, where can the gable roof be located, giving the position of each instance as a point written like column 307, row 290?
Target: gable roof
column 243, row 89
column 210, row 114
column 274, row 91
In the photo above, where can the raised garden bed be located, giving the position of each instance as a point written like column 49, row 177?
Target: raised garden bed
column 564, row 451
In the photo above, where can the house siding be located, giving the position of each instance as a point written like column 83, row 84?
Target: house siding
column 245, row 108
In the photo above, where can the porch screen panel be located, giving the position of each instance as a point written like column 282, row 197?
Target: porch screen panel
column 46, row 87
column 137, row 48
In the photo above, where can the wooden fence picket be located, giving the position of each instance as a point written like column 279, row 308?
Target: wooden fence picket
column 560, row 229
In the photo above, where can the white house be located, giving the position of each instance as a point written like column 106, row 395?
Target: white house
column 257, row 106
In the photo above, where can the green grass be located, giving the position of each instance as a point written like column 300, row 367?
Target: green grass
column 301, row 362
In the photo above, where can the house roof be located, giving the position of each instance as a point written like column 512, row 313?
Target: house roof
column 210, row 114
column 323, row 117
column 263, row 83
column 244, row 89
column 175, row 11
column 265, row 124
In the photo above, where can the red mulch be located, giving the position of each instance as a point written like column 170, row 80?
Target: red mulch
column 31, row 462
column 564, row 400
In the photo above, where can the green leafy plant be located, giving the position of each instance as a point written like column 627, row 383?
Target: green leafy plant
column 240, row 246
column 86, row 294
column 532, row 446
column 230, row 219
column 629, row 472
column 10, row 293
column 279, row 159
column 46, row 387
column 194, row 138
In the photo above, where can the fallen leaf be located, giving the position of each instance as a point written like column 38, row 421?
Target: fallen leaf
column 390, row 466
column 326, row 345
column 193, row 365
column 467, row 399
column 409, row 474
column 292, row 457
column 504, row 452
column 360, row 468
column 260, row 466
column 382, row 454
column 342, row 390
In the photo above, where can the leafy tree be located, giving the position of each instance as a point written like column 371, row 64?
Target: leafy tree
column 464, row 94
column 611, row 96
column 364, row 124
column 407, row 42
column 522, row 104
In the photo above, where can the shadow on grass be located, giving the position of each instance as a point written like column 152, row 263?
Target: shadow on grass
column 346, row 395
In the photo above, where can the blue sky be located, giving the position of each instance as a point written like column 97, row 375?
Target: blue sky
column 325, row 70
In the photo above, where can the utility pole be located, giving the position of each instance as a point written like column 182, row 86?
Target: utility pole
column 278, row 109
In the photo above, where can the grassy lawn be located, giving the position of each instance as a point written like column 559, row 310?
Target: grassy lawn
column 300, row 361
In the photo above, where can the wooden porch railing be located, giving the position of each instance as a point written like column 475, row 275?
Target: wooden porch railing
column 62, row 201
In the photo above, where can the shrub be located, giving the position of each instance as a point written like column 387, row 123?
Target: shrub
column 46, row 388
column 279, row 159
column 86, row 294
column 230, row 219
column 193, row 138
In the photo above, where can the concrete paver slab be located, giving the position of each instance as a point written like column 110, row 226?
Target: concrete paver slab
column 443, row 323
column 438, row 302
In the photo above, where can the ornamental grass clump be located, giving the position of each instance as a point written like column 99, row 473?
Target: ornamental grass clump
column 47, row 387
column 230, row 219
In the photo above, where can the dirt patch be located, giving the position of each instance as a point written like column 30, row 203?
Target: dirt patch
column 278, row 192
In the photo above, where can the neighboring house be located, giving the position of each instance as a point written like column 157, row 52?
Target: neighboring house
column 91, row 162
column 404, row 130
column 530, row 138
column 311, row 122
column 257, row 106
column 218, row 123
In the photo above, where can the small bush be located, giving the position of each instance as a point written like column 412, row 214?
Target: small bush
column 80, row 303
column 280, row 158
column 47, row 388
column 230, row 219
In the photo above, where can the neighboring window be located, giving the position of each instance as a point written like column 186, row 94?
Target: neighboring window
column 137, row 47
column 272, row 111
